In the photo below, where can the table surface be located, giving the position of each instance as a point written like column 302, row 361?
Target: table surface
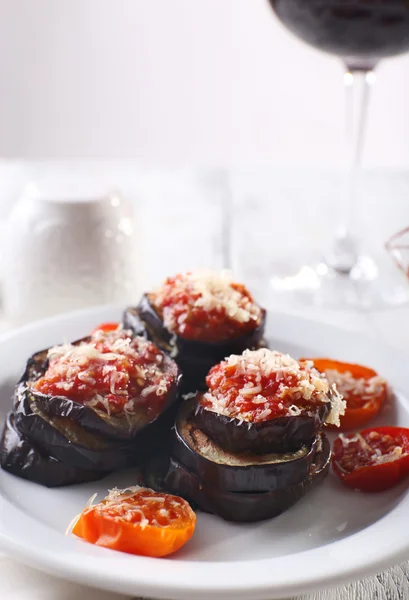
column 192, row 206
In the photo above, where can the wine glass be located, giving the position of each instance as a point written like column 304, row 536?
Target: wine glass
column 361, row 33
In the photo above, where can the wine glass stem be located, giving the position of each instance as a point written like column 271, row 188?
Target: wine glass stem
column 357, row 81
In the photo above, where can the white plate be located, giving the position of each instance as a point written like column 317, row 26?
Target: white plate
column 331, row 536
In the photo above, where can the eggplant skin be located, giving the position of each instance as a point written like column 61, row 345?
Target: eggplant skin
column 195, row 358
column 66, row 440
column 21, row 458
column 284, row 434
column 92, row 419
column 265, row 472
column 244, row 507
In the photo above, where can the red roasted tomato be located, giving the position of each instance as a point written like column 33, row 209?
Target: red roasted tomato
column 372, row 460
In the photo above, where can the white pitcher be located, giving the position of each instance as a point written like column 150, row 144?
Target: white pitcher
column 63, row 252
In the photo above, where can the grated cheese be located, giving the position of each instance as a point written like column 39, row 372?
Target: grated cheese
column 395, row 454
column 127, row 509
column 264, row 414
column 338, row 406
column 346, row 440
column 189, row 395
column 115, row 494
column 348, row 385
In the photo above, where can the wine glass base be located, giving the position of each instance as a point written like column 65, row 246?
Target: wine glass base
column 370, row 285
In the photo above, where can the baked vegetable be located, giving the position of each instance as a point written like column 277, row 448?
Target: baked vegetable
column 244, row 507
column 372, row 460
column 199, row 318
column 66, row 440
column 138, row 521
column 363, row 390
column 22, row 458
column 111, row 383
column 265, row 401
column 239, row 472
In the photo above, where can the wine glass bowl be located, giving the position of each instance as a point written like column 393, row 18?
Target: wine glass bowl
column 364, row 30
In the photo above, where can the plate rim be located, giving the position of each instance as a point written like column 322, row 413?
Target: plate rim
column 237, row 583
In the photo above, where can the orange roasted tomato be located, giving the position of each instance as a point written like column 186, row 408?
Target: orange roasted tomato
column 364, row 391
column 372, row 460
column 206, row 306
column 138, row 521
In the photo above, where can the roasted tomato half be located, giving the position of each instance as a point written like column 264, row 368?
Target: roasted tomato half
column 372, row 460
column 138, row 521
column 363, row 390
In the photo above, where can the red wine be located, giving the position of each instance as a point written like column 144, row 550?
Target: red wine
column 366, row 30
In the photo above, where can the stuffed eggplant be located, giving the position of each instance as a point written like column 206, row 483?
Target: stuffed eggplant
column 22, row 458
column 199, row 318
column 66, row 440
column 238, row 472
column 111, row 383
column 247, row 506
column 265, row 401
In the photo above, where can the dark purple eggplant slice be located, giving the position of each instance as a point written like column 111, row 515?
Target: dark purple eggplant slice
column 244, row 507
column 93, row 419
column 21, row 458
column 239, row 472
column 284, row 434
column 66, row 440
column 195, row 358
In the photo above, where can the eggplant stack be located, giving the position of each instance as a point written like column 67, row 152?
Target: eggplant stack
column 245, row 470
column 54, row 439
column 199, row 318
column 240, row 486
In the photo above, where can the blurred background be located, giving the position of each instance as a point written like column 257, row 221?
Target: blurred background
column 207, row 116
column 182, row 82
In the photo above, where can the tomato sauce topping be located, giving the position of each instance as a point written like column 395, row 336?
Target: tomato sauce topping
column 261, row 385
column 206, row 306
column 113, row 371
